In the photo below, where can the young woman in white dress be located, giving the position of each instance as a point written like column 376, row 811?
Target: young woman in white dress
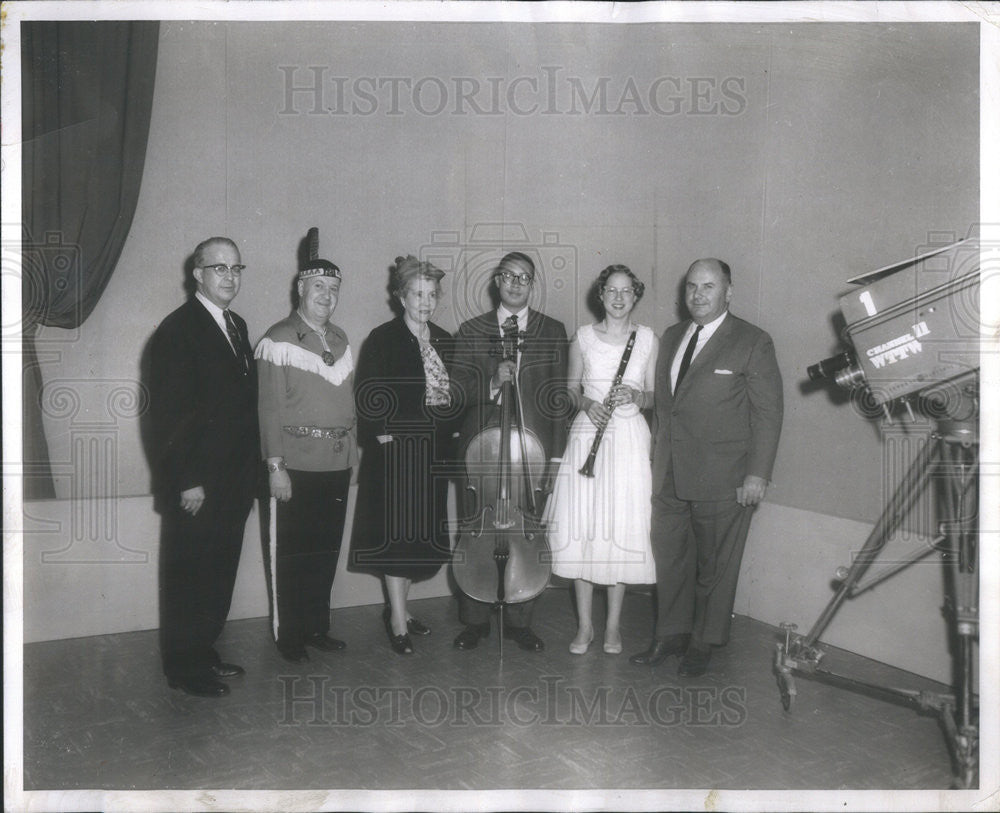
column 598, row 527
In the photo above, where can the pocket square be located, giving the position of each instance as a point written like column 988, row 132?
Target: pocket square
column 723, row 372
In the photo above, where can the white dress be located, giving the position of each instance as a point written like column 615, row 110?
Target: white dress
column 598, row 528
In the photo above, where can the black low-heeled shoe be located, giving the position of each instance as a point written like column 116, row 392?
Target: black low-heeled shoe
column 413, row 625
column 401, row 644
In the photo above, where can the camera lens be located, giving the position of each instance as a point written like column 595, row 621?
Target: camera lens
column 828, row 367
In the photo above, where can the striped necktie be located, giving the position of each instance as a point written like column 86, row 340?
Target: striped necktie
column 235, row 341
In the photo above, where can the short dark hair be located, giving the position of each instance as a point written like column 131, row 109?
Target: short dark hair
column 638, row 286
column 516, row 257
column 199, row 250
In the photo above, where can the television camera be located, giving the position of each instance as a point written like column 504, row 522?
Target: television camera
column 913, row 332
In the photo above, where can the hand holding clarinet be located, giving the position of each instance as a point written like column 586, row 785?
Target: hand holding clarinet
column 600, row 412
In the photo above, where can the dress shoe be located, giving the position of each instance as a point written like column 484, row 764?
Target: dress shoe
column 324, row 642
column 695, row 661
column 413, row 626
column 226, row 670
column 661, row 649
column 199, row 686
column 579, row 646
column 401, row 644
column 469, row 637
column 524, row 638
column 294, row 654
column 612, row 642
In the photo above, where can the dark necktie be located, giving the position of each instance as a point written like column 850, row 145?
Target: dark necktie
column 234, row 339
column 688, row 355
column 509, row 328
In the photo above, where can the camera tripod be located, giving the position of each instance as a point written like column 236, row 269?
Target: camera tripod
column 950, row 458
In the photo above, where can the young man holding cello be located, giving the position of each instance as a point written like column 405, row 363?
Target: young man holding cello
column 539, row 370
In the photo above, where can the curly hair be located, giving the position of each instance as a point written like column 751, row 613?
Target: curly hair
column 407, row 269
column 638, row 286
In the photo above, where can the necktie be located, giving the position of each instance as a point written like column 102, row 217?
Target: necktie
column 234, row 339
column 509, row 328
column 688, row 355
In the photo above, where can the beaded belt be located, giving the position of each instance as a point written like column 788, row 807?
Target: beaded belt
column 334, row 433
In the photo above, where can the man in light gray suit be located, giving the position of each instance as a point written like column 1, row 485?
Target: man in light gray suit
column 717, row 421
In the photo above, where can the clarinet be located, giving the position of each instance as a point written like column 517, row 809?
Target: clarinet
column 588, row 466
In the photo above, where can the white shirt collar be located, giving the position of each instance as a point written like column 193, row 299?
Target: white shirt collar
column 708, row 328
column 212, row 308
column 706, row 333
column 522, row 316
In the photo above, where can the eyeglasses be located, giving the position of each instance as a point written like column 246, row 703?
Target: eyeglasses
column 523, row 278
column 221, row 269
column 623, row 292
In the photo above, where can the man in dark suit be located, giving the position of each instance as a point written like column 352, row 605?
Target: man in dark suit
column 203, row 407
column 540, row 372
column 717, row 421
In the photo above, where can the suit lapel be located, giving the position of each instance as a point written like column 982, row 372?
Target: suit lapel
column 493, row 325
column 711, row 349
column 533, row 324
column 671, row 344
column 674, row 342
column 214, row 336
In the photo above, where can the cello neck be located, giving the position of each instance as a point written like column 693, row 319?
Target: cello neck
column 504, row 476
column 507, row 390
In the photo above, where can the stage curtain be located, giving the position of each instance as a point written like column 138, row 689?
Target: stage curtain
column 86, row 94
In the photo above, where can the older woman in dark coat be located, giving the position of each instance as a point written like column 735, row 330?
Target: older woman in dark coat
column 405, row 423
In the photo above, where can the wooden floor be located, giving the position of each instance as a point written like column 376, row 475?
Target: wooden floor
column 98, row 714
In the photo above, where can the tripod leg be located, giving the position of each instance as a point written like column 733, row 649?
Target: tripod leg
column 961, row 509
column 909, row 489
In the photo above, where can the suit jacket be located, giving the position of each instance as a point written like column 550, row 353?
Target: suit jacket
column 203, row 409
column 541, row 376
column 724, row 420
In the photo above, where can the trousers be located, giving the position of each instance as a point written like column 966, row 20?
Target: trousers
column 698, row 548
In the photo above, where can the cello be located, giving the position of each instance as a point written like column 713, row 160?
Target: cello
column 502, row 554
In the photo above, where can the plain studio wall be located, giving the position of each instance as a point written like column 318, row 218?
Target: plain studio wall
column 800, row 154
